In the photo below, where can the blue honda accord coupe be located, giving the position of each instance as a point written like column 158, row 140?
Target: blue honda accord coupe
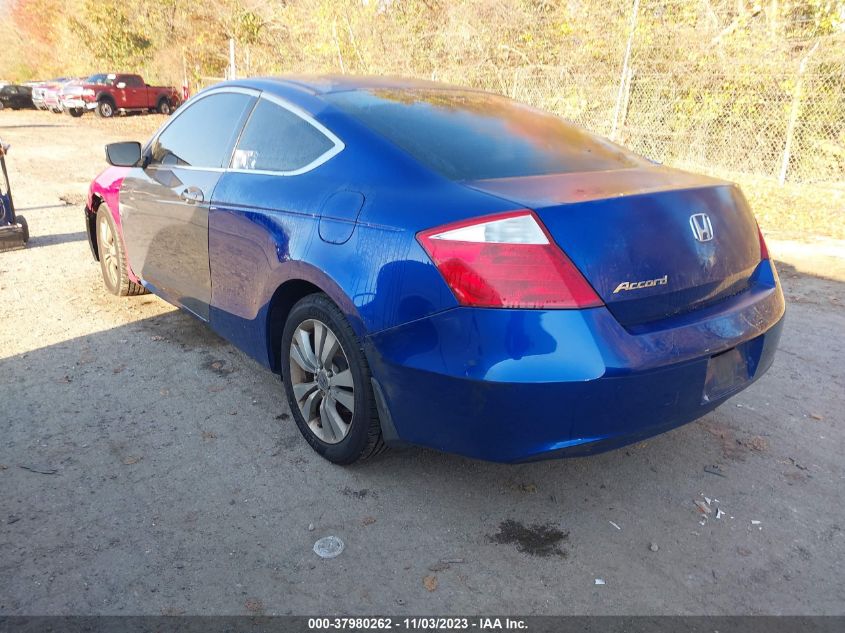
column 445, row 267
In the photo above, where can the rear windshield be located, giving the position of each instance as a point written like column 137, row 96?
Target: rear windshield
column 467, row 135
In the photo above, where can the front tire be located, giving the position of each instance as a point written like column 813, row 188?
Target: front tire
column 113, row 258
column 327, row 382
column 76, row 112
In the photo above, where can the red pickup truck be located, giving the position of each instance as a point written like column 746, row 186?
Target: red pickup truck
column 107, row 94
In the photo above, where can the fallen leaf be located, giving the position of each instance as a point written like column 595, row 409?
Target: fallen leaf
column 816, row 416
column 441, row 566
column 208, row 435
column 164, row 392
column 522, row 487
column 430, row 583
column 131, row 460
column 118, row 369
column 703, row 507
column 254, row 605
column 216, row 389
column 757, row 443
column 368, row 520
column 156, row 338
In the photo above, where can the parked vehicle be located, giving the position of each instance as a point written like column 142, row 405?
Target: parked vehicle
column 38, row 94
column 52, row 94
column 16, row 97
column 107, row 94
column 442, row 267
column 14, row 231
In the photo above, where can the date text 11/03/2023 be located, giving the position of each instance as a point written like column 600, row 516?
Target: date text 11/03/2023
column 421, row 623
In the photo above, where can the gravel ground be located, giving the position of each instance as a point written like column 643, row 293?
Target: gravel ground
column 147, row 467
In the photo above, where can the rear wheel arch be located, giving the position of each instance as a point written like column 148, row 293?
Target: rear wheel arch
column 293, row 290
column 281, row 303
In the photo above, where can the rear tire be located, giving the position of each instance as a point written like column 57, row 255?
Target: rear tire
column 105, row 108
column 326, row 376
column 113, row 258
column 164, row 107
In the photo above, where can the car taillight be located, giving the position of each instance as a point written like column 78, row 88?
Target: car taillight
column 764, row 250
column 506, row 260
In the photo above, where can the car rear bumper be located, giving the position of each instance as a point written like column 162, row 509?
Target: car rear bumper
column 521, row 385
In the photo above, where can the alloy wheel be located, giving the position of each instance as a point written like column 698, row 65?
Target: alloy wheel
column 108, row 252
column 322, row 381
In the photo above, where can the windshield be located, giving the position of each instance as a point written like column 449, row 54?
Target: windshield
column 467, row 135
column 100, row 80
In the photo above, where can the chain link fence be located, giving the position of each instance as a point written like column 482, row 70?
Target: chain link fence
column 782, row 123
column 737, row 89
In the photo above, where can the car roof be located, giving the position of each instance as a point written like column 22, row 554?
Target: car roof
column 326, row 84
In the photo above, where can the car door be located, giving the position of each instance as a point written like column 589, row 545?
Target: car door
column 126, row 91
column 164, row 205
column 136, row 91
column 266, row 213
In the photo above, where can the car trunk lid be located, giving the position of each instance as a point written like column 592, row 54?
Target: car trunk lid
column 653, row 241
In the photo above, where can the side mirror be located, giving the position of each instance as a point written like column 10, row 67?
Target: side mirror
column 125, row 154
column 120, row 85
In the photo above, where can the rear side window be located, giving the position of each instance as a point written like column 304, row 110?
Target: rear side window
column 203, row 134
column 276, row 139
column 467, row 135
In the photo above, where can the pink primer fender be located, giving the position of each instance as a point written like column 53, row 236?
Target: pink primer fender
column 106, row 186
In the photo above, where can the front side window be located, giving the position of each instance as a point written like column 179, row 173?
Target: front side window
column 132, row 81
column 275, row 139
column 100, row 80
column 203, row 134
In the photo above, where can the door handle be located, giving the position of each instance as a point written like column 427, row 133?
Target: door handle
column 192, row 195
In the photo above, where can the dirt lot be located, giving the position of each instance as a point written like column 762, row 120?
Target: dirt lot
column 147, row 467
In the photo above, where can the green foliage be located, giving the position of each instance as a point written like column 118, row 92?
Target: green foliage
column 711, row 81
column 117, row 36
